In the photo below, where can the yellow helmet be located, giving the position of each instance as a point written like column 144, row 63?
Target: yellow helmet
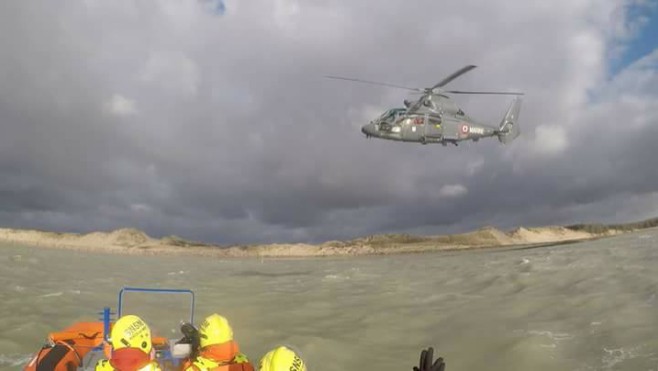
column 131, row 332
column 215, row 329
column 281, row 359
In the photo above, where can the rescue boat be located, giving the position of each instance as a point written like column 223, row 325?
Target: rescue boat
column 81, row 345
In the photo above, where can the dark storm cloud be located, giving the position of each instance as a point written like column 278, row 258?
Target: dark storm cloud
column 170, row 118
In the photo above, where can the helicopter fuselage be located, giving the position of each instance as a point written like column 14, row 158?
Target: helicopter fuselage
column 435, row 118
column 426, row 128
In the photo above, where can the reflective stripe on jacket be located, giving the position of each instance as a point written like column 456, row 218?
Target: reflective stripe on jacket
column 239, row 363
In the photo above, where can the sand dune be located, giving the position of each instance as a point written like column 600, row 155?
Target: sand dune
column 133, row 241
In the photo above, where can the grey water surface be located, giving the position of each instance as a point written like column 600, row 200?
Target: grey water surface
column 585, row 306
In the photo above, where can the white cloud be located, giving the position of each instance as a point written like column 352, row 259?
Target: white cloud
column 587, row 69
column 474, row 166
column 550, row 140
column 452, row 191
column 286, row 12
column 171, row 70
column 121, row 106
column 140, row 208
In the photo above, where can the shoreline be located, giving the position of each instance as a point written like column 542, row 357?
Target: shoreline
column 130, row 241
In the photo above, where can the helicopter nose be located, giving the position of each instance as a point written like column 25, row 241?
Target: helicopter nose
column 368, row 130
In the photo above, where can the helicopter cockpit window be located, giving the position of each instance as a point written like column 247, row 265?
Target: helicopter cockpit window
column 392, row 113
column 385, row 115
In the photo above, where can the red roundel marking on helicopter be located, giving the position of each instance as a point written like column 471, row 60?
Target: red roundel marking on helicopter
column 464, row 128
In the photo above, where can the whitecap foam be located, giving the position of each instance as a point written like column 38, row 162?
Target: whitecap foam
column 52, row 294
column 335, row 277
column 614, row 356
column 14, row 360
column 551, row 335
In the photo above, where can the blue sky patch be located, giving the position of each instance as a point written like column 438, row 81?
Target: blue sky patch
column 216, row 6
column 644, row 42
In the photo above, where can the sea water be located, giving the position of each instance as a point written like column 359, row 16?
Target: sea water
column 585, row 306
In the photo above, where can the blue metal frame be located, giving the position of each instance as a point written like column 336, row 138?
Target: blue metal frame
column 161, row 291
column 106, row 323
column 107, row 314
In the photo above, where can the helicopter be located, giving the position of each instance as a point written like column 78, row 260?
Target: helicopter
column 435, row 118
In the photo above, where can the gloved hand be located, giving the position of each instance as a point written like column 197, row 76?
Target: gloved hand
column 426, row 364
column 189, row 331
column 190, row 336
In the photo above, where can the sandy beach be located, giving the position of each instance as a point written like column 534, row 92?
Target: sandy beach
column 134, row 241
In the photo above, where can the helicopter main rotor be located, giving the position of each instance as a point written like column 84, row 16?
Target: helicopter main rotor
column 455, row 75
column 428, row 91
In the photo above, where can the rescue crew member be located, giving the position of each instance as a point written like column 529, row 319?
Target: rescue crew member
column 282, row 358
column 217, row 349
column 131, row 347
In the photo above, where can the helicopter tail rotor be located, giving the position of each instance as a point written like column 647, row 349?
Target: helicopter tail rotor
column 509, row 126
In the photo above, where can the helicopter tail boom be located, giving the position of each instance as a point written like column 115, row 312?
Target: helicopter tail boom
column 509, row 126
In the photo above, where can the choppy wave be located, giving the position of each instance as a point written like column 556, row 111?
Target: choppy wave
column 14, row 360
column 613, row 357
column 52, row 294
column 589, row 306
column 551, row 335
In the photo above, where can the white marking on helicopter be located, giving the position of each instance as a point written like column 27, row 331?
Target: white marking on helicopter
column 413, row 128
column 474, row 130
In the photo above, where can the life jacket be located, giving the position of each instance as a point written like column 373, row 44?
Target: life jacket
column 67, row 348
column 220, row 357
column 205, row 364
column 58, row 357
column 103, row 365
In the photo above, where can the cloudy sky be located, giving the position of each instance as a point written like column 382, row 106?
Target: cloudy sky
column 212, row 121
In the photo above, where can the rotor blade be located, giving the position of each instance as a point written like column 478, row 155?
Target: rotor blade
column 456, row 74
column 482, row 92
column 373, row 82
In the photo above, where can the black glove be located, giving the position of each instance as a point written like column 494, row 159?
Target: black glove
column 190, row 336
column 426, row 364
column 189, row 331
